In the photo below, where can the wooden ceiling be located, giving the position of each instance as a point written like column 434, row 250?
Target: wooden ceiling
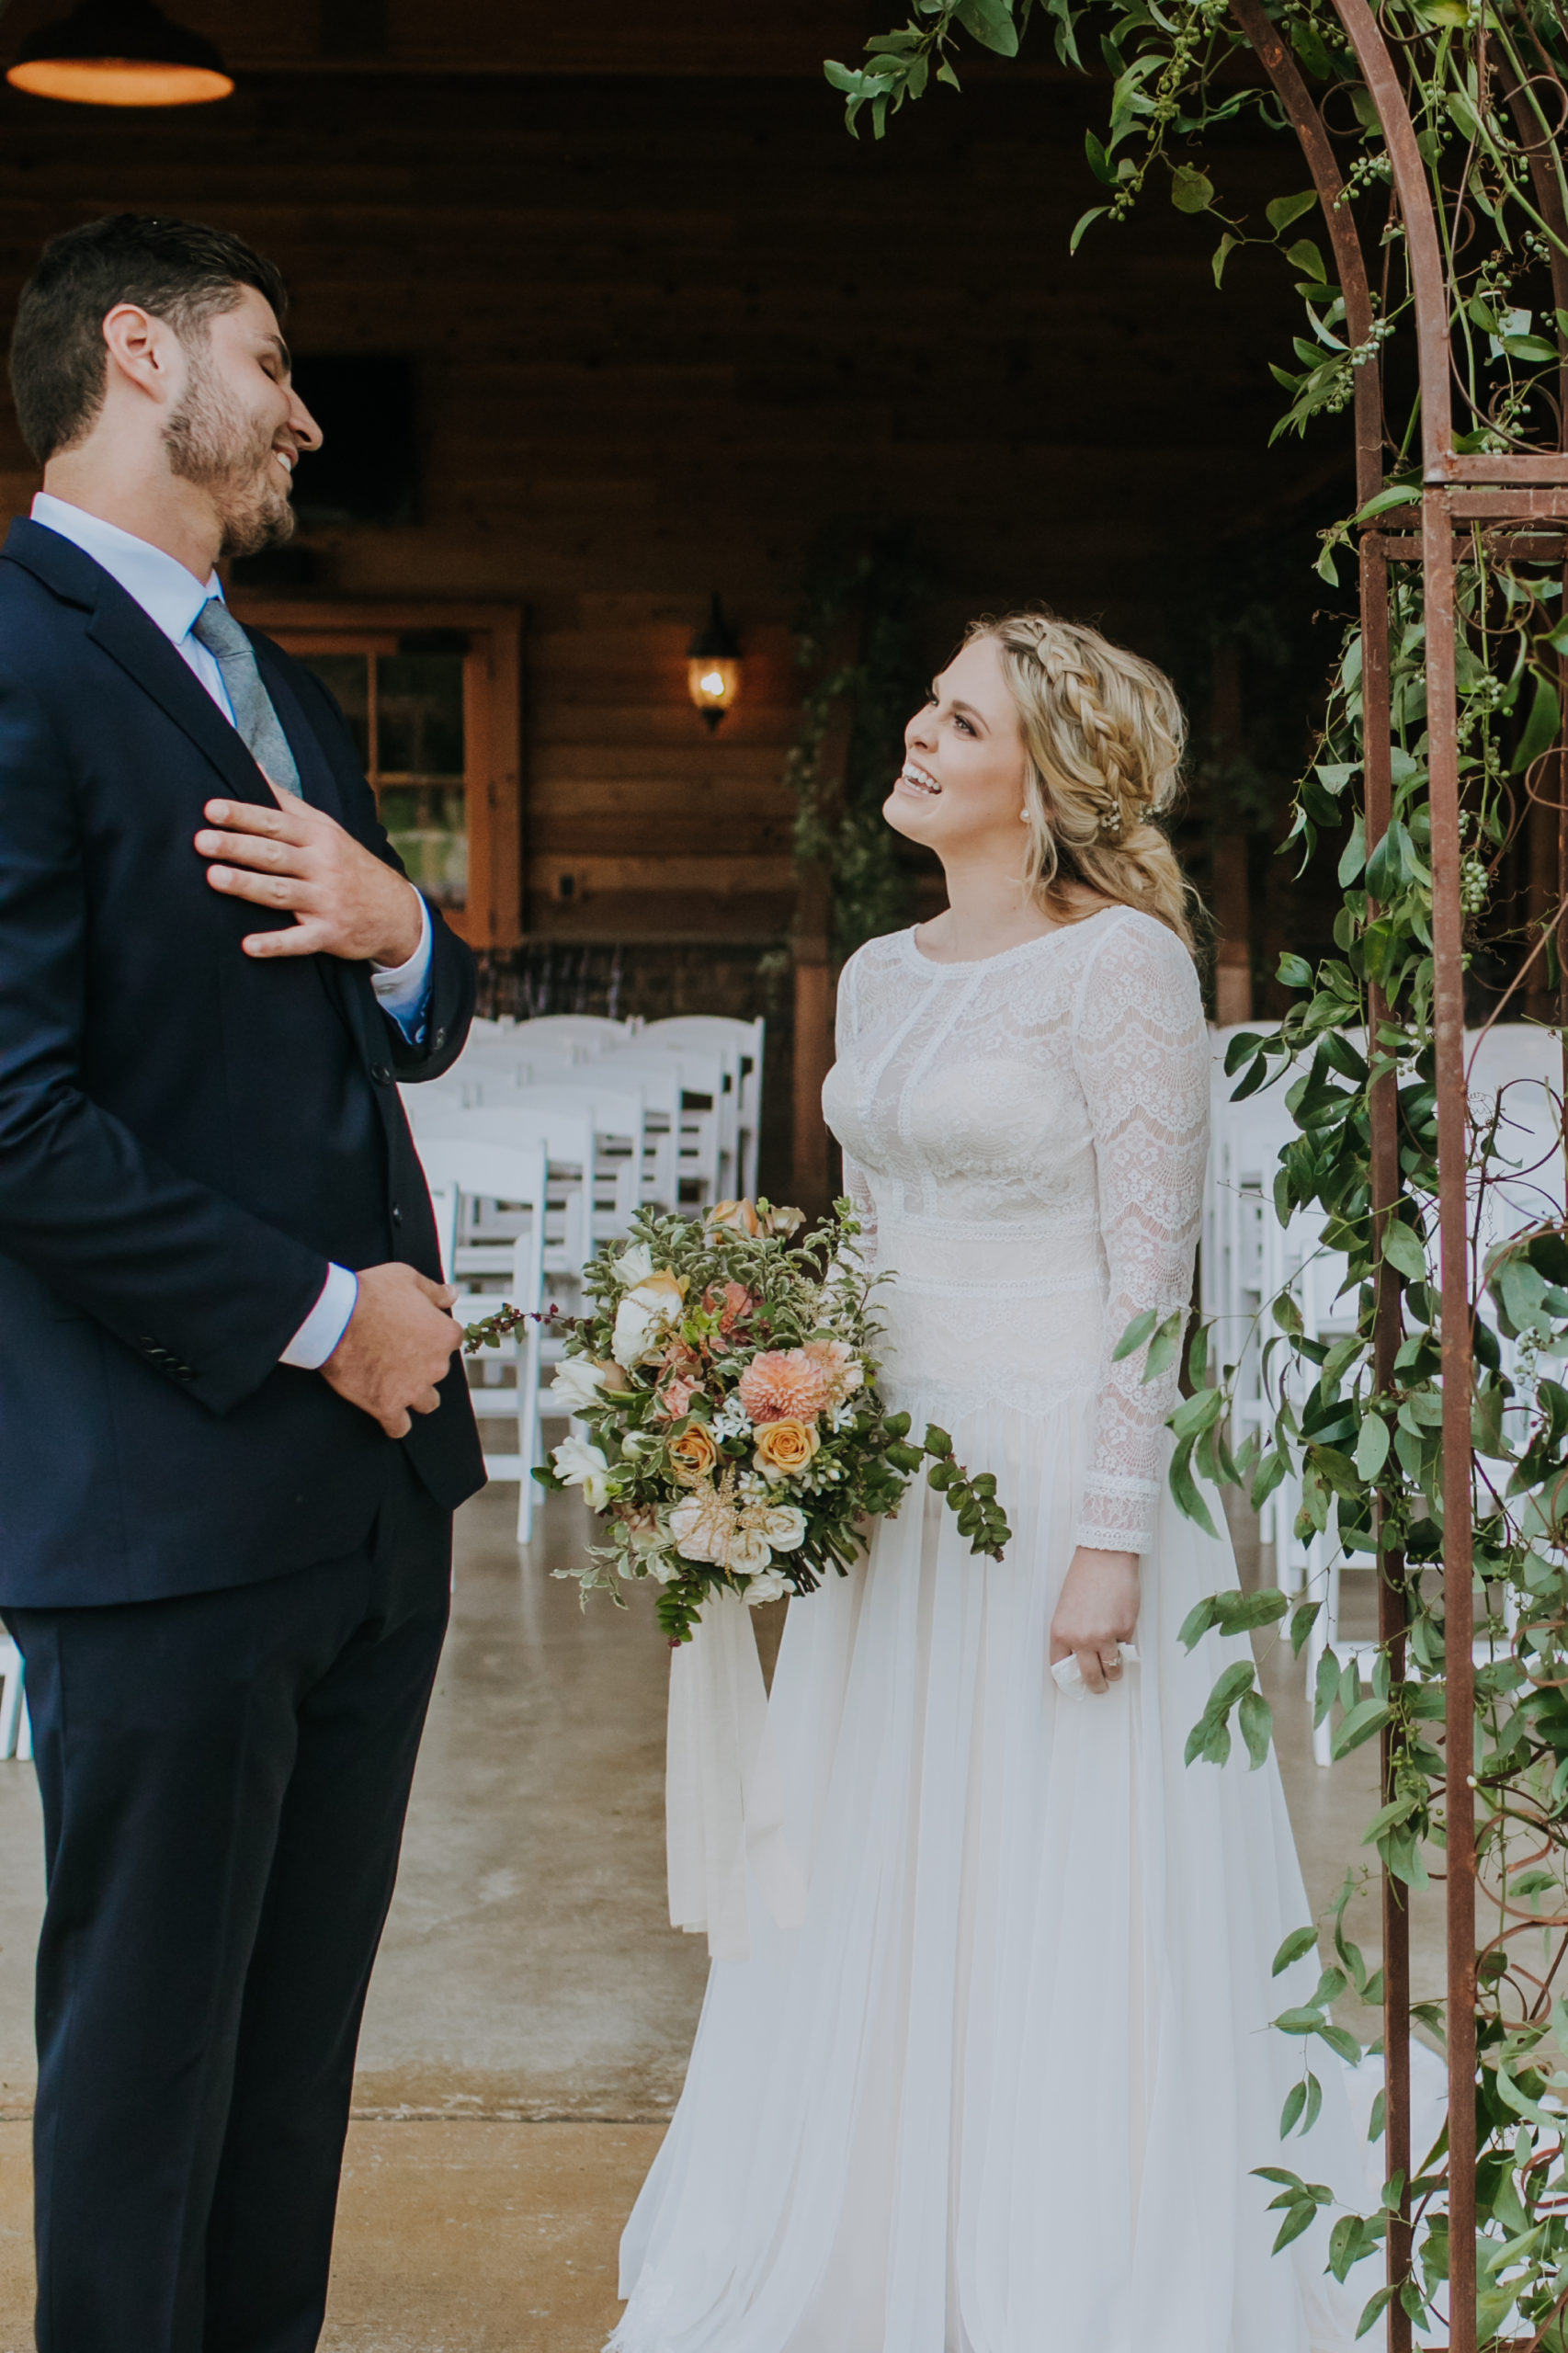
column 736, row 38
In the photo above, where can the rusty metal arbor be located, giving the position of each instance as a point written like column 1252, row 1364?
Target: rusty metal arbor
column 1518, row 495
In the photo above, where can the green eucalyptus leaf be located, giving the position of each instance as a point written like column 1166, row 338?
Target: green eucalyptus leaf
column 991, row 23
column 1300, row 1942
column 1256, row 1718
column 1372, row 1443
column 1541, row 727
column 1191, row 190
column 1137, row 1332
column 1287, row 208
column 1403, row 1251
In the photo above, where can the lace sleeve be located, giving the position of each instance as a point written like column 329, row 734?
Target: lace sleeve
column 845, row 1028
column 1142, row 1049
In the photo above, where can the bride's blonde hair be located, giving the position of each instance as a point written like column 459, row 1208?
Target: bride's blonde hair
column 1104, row 733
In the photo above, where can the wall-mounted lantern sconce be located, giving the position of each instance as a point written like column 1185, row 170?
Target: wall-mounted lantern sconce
column 120, row 53
column 714, row 666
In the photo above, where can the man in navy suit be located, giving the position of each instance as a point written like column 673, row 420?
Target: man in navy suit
column 232, row 1431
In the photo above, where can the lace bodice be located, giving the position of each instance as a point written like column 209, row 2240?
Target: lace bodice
column 1025, row 1137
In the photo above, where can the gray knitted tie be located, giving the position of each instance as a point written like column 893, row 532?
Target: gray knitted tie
column 260, row 730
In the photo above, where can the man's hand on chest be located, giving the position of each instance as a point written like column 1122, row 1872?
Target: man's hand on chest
column 345, row 900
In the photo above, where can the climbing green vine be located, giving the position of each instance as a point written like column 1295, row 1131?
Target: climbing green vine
column 1361, row 1460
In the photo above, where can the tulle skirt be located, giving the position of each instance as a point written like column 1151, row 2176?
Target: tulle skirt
column 1001, row 2091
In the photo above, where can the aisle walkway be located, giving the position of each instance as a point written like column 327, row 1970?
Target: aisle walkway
column 531, row 2016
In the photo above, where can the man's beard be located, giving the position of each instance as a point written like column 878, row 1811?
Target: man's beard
column 210, row 443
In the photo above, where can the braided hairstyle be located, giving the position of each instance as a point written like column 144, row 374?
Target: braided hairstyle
column 1104, row 733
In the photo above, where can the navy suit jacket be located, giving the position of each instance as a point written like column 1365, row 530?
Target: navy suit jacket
column 187, row 1136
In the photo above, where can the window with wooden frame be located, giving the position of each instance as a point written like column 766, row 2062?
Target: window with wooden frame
column 433, row 694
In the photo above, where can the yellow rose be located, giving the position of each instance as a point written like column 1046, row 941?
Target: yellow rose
column 784, row 1448
column 693, row 1454
column 740, row 1216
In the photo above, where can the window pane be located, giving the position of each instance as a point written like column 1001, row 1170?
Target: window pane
column 427, row 828
column 348, row 675
column 420, row 715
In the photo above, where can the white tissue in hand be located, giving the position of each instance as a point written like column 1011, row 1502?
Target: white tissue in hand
column 1069, row 1678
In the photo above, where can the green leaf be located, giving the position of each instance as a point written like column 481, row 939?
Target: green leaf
column 1352, row 857
column 1184, row 1488
column 1086, row 221
column 1285, row 209
column 1196, row 1623
column 1137, row 1332
column 1541, row 728
column 1191, row 190
column 1374, row 2309
column 1223, row 253
column 1289, row 2115
column 1302, row 1625
column 1256, row 1718
column 1294, row 971
column 1296, row 1947
column 1397, row 494
column 1403, row 1251
column 1165, row 1345
column 1238, row 1613
column 1372, row 1444
column 991, row 22
column 1271, row 1471
column 1368, row 1717
column 1307, row 259
column 1299, row 2219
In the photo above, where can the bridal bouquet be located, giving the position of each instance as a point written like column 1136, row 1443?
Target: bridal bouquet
column 726, row 1375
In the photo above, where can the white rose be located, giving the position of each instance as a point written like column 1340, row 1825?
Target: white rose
column 785, row 1527
column 644, row 1316
column 582, row 1466
column 634, row 1266
column 769, row 1584
column 576, row 1384
column 748, row 1552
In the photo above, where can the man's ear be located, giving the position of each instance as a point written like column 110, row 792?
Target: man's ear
column 142, row 351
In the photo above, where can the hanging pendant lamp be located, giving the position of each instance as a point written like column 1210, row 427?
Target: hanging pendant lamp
column 120, row 53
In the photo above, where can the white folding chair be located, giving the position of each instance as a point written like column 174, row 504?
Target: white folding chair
column 583, row 1035
column 746, row 1041
column 470, row 1175
column 707, row 1165
column 567, row 1140
column 15, row 1728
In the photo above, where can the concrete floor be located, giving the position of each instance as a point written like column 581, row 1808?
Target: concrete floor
column 531, row 2011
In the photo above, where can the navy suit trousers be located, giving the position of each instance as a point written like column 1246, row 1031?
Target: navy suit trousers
column 224, row 1779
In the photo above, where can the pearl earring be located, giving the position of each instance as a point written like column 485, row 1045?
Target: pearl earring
column 1023, row 817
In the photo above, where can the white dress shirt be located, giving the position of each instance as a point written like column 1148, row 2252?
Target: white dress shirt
column 172, row 598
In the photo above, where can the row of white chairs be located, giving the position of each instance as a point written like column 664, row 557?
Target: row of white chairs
column 1247, row 1258
column 540, row 1145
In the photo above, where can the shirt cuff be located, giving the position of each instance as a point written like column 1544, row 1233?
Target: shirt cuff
column 326, row 1323
column 403, row 989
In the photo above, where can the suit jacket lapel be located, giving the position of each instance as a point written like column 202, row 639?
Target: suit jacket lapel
column 346, row 984
column 315, row 769
column 145, row 653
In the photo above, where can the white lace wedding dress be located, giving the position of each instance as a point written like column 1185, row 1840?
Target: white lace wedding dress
column 1002, row 2088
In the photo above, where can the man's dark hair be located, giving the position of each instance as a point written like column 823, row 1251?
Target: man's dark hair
column 178, row 270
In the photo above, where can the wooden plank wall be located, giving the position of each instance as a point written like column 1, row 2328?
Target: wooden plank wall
column 667, row 326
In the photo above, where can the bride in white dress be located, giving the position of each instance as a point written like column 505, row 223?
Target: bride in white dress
column 1002, row 2089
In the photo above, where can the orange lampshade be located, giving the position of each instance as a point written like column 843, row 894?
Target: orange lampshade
column 120, row 53
column 714, row 666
